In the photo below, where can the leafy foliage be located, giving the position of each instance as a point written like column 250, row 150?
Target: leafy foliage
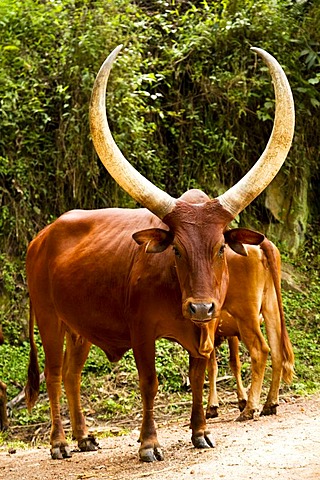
column 184, row 102
column 189, row 105
column 303, row 313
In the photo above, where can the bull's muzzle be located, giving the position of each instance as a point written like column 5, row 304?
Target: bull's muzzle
column 200, row 311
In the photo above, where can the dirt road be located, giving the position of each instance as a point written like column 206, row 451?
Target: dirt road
column 286, row 446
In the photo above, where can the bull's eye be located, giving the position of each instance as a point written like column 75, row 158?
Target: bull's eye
column 221, row 251
column 176, row 252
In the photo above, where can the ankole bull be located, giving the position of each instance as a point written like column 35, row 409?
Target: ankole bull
column 122, row 278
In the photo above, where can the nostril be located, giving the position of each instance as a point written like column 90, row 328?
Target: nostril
column 211, row 309
column 201, row 311
column 193, row 308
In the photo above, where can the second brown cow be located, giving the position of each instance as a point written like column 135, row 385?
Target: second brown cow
column 254, row 295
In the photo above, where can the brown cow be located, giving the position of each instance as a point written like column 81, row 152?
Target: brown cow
column 254, row 294
column 90, row 282
column 4, row 423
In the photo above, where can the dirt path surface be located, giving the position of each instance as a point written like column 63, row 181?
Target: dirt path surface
column 286, row 446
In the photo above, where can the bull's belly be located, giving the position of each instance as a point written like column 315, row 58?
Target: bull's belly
column 108, row 319
column 100, row 326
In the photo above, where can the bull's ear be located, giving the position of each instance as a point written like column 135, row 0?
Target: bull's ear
column 236, row 237
column 155, row 239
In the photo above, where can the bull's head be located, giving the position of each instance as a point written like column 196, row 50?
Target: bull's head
column 197, row 226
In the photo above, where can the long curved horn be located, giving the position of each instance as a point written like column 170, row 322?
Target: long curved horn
column 135, row 184
column 258, row 178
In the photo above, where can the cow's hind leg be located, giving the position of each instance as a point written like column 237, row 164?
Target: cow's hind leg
column 273, row 327
column 235, row 365
column 201, row 437
column 258, row 349
column 76, row 353
column 149, row 450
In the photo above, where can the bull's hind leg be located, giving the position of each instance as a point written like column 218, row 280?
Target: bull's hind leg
column 52, row 334
column 201, row 437
column 150, row 449
column 76, row 353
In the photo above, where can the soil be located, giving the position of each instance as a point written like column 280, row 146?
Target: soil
column 285, row 446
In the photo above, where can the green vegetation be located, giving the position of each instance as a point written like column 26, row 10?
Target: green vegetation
column 302, row 312
column 189, row 106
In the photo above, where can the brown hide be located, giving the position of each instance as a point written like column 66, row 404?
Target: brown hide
column 87, row 266
column 254, row 296
column 89, row 280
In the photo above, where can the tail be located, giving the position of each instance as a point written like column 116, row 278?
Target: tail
column 33, row 383
column 274, row 262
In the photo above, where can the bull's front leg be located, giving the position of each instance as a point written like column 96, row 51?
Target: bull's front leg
column 201, row 437
column 213, row 401
column 149, row 450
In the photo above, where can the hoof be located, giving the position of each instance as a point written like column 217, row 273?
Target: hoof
column 88, row 444
column 242, row 404
column 205, row 441
column 150, row 454
column 269, row 410
column 60, row 452
column 246, row 415
column 212, row 412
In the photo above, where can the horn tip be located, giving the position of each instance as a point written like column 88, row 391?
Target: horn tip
column 116, row 50
column 114, row 54
column 256, row 49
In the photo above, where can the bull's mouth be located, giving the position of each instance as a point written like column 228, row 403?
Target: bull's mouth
column 202, row 323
